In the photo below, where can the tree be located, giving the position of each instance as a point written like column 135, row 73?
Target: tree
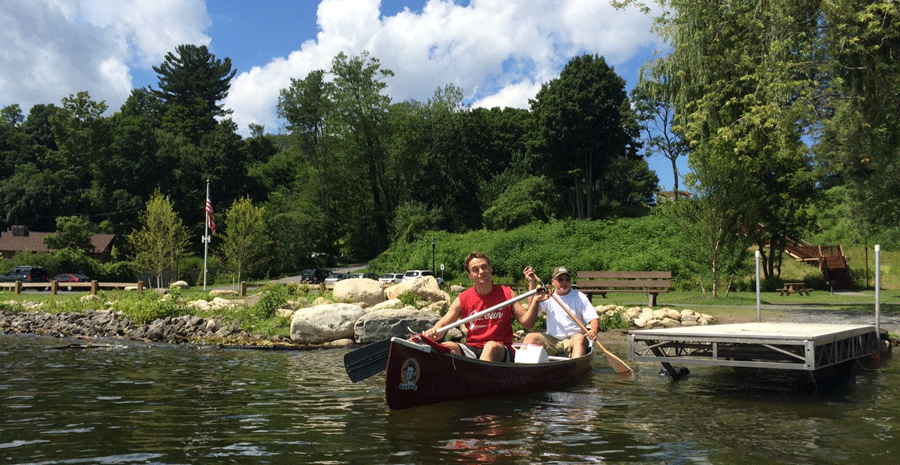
column 73, row 232
column 161, row 238
column 192, row 82
column 82, row 134
column 861, row 141
column 709, row 235
column 308, row 106
column 362, row 108
column 12, row 115
column 245, row 239
column 583, row 122
column 746, row 80
column 653, row 98
column 530, row 199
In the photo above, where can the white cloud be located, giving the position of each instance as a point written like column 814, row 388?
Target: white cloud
column 499, row 52
column 56, row 48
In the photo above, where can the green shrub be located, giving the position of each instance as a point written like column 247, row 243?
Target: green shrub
column 149, row 306
column 408, row 299
column 616, row 320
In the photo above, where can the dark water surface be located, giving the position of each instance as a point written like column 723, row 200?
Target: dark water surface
column 134, row 403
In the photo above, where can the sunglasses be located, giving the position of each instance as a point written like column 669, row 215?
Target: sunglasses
column 563, row 278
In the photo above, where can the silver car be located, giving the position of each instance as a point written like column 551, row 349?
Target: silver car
column 391, row 278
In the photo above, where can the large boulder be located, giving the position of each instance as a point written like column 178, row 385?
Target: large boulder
column 424, row 288
column 384, row 324
column 361, row 290
column 324, row 323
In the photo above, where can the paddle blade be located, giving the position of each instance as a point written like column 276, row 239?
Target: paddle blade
column 367, row 361
column 616, row 362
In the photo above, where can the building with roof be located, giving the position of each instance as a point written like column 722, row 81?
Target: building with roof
column 20, row 239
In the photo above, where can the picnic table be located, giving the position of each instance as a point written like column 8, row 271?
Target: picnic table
column 791, row 288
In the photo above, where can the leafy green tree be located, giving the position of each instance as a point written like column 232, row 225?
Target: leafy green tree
column 26, row 197
column 82, row 134
column 12, row 115
column 653, row 98
column 583, row 123
column 530, row 199
column 192, row 82
column 160, row 240
column 297, row 228
column 362, row 107
column 746, row 80
column 245, row 239
column 861, row 141
column 133, row 171
column 308, row 107
column 38, row 126
column 709, row 236
column 72, row 232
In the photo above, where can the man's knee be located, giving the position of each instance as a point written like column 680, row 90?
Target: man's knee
column 493, row 351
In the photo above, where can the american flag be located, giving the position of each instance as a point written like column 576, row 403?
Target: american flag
column 209, row 212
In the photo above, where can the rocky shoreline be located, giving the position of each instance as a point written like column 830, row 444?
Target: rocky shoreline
column 113, row 324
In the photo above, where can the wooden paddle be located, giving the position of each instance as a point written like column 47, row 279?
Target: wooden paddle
column 616, row 362
column 370, row 360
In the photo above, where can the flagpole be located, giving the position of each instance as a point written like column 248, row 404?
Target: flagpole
column 205, row 235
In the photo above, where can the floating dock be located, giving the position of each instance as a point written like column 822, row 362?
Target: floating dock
column 813, row 348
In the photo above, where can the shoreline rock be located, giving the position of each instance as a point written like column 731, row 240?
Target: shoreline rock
column 113, row 324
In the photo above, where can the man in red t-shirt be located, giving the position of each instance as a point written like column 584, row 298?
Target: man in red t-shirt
column 490, row 336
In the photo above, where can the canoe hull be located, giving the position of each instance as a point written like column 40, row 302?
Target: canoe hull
column 418, row 376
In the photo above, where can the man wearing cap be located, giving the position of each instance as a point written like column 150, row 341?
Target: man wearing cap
column 563, row 334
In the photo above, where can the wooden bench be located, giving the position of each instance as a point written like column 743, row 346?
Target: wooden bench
column 602, row 282
column 791, row 288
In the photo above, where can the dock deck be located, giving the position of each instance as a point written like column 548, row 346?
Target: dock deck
column 781, row 346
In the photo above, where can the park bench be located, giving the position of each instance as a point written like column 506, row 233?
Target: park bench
column 791, row 288
column 602, row 282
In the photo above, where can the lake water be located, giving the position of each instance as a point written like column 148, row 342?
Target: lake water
column 135, row 403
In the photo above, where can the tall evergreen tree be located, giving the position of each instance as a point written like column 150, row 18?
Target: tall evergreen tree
column 192, row 82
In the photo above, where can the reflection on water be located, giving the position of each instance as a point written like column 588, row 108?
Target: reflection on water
column 136, row 403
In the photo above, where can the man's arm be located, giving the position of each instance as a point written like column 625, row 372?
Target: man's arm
column 451, row 316
column 527, row 317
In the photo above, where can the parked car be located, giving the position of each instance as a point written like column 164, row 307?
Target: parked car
column 70, row 278
column 334, row 278
column 416, row 274
column 391, row 278
column 314, row 275
column 364, row 275
column 26, row 274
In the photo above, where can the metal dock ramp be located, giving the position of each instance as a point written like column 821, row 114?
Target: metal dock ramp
column 780, row 346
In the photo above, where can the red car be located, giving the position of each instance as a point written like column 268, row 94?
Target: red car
column 70, row 278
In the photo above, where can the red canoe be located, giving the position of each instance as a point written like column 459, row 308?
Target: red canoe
column 417, row 375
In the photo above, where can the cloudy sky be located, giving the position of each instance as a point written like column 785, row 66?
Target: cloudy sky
column 498, row 52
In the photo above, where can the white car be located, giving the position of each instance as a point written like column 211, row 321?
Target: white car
column 391, row 278
column 416, row 274
column 333, row 278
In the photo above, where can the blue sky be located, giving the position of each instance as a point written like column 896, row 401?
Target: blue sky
column 498, row 52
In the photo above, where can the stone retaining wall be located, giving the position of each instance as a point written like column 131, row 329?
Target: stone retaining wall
column 103, row 323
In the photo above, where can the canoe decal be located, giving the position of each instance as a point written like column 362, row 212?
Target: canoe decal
column 409, row 374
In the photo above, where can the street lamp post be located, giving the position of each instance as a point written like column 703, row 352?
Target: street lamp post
column 433, row 243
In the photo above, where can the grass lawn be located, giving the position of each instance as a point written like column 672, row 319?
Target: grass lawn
column 740, row 304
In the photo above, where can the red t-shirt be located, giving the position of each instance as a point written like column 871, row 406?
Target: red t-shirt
column 495, row 326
